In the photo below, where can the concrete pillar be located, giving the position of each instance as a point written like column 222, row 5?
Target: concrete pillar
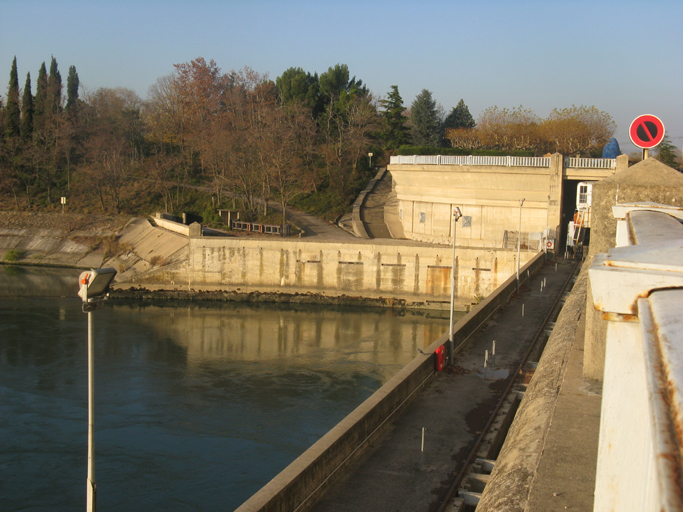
column 195, row 229
column 555, row 197
column 649, row 180
column 622, row 163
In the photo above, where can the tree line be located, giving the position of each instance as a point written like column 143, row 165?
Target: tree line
column 248, row 138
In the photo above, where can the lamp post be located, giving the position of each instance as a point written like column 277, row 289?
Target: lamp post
column 94, row 288
column 519, row 239
column 370, row 157
column 456, row 215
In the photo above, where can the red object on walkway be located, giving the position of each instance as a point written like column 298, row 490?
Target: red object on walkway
column 440, row 358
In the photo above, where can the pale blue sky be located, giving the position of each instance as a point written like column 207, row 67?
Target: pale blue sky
column 624, row 57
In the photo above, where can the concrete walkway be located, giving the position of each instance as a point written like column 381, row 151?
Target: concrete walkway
column 372, row 210
column 394, row 475
column 548, row 461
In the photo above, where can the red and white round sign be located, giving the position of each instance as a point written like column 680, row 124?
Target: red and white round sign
column 646, row 131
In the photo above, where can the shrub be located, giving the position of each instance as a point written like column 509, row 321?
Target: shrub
column 13, row 255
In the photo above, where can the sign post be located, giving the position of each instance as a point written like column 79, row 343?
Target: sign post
column 646, row 132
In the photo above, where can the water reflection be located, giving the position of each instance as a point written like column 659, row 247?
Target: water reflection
column 197, row 406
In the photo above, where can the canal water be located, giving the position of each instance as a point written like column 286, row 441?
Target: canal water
column 198, row 405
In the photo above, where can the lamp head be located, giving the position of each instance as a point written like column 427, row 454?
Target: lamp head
column 95, row 283
column 457, row 213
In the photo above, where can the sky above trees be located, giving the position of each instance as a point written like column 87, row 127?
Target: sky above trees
column 623, row 57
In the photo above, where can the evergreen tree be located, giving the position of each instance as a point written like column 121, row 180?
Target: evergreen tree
column 459, row 117
column 425, row 119
column 72, row 84
column 395, row 133
column 12, row 111
column 666, row 153
column 297, row 85
column 54, row 88
column 27, row 111
column 40, row 99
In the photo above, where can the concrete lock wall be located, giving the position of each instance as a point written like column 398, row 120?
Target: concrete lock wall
column 301, row 484
column 416, row 273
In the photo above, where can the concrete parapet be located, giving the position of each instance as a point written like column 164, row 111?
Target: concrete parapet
column 176, row 227
column 649, row 180
column 303, row 482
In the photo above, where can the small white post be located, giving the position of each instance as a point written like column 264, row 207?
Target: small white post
column 522, row 309
column 555, row 267
column 486, row 359
column 422, row 449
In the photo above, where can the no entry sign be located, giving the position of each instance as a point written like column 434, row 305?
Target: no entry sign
column 646, row 131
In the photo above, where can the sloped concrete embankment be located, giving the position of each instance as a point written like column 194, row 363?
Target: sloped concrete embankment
column 516, row 469
column 131, row 245
column 304, row 481
column 71, row 240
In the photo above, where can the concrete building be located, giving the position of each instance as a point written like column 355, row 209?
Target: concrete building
column 488, row 191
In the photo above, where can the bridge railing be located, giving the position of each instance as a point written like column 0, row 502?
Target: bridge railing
column 591, row 163
column 504, row 161
column 638, row 286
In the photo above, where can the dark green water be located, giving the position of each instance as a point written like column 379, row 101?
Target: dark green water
column 197, row 405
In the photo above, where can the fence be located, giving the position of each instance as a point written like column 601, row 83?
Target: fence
column 529, row 241
column 591, row 163
column 505, row 161
column 268, row 229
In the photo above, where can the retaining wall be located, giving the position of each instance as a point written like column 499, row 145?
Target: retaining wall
column 304, row 481
column 417, row 273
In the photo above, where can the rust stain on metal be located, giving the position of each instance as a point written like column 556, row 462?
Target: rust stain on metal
column 618, row 317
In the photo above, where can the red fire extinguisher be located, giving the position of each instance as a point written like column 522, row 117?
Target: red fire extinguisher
column 440, row 358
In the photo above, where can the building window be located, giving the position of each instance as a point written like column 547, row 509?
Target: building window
column 423, row 217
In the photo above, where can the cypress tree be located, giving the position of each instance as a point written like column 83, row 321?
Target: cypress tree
column 12, row 111
column 27, row 110
column 54, row 88
column 40, row 100
column 72, row 84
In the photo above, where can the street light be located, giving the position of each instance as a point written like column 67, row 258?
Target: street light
column 94, row 288
column 519, row 239
column 370, row 157
column 456, row 215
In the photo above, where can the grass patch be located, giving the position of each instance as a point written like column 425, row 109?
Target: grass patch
column 13, row 255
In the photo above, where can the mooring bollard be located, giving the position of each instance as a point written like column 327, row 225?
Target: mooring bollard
column 522, row 309
column 422, row 449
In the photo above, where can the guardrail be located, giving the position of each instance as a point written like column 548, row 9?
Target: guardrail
column 505, row 161
column 591, row 163
column 638, row 286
